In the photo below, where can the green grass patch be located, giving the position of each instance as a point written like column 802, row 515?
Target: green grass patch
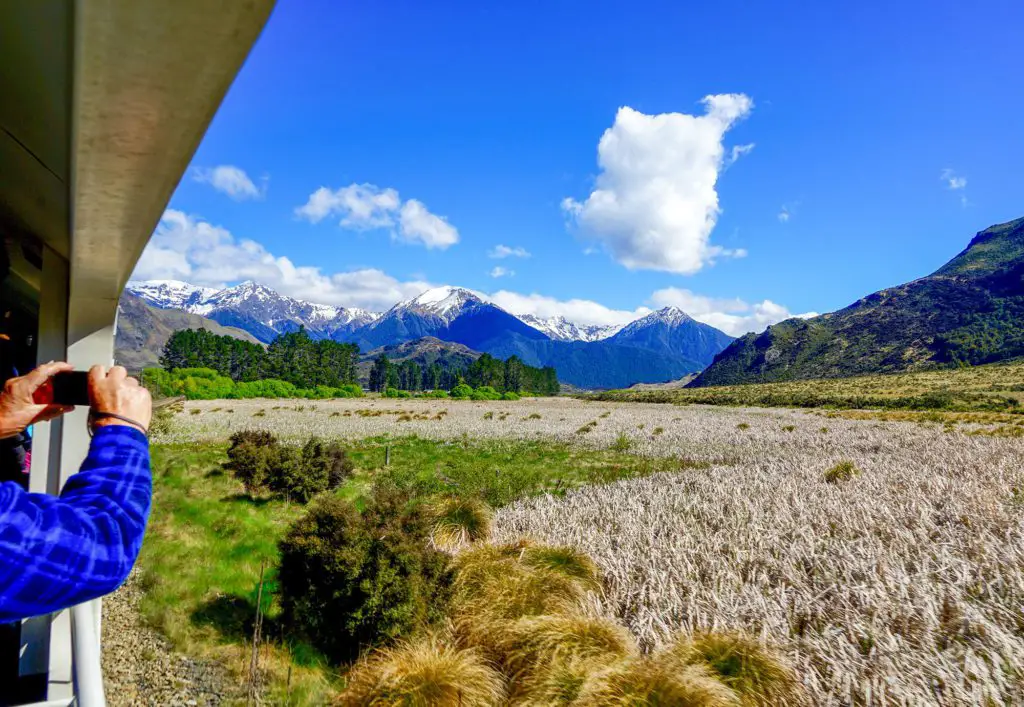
column 207, row 539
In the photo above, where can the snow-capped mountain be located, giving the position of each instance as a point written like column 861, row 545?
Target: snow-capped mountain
column 661, row 346
column 673, row 331
column 253, row 307
column 170, row 294
column 445, row 302
column 447, row 313
column 561, row 329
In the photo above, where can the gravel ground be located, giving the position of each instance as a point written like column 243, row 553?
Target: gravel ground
column 140, row 668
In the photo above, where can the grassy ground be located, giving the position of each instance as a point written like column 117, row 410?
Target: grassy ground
column 992, row 388
column 207, row 541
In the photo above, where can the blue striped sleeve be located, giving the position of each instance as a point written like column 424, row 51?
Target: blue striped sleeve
column 56, row 552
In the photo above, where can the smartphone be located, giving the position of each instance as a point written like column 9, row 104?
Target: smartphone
column 67, row 388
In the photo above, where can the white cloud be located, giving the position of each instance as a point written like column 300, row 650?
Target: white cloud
column 784, row 215
column 361, row 206
column 498, row 271
column 418, row 224
column 733, row 316
column 581, row 311
column 655, row 205
column 188, row 248
column 951, row 179
column 229, row 180
column 738, row 151
column 366, row 206
column 504, row 251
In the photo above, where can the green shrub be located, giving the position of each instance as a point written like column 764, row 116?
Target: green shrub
column 485, row 392
column 251, row 457
column 510, row 396
column 396, row 393
column 351, row 580
column 328, row 461
column 461, row 391
column 622, row 443
column 843, row 471
column 436, row 394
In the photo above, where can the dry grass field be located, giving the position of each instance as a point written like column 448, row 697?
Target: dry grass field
column 995, row 387
column 886, row 558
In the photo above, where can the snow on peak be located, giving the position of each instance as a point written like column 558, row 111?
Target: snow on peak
column 169, row 294
column 446, row 302
column 561, row 329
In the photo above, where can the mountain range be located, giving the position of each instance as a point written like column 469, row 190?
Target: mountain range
column 143, row 330
column 664, row 345
column 969, row 311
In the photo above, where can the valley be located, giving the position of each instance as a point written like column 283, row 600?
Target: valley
column 697, row 516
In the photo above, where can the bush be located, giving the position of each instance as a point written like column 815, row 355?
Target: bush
column 436, row 394
column 327, row 461
column 351, row 580
column 461, row 391
column 485, row 392
column 510, row 396
column 252, row 456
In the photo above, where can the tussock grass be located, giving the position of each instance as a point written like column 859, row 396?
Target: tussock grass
column 565, row 560
column 426, row 673
column 459, row 521
column 642, row 682
column 533, row 644
column 758, row 676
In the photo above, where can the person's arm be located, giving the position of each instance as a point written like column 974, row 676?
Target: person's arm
column 56, row 552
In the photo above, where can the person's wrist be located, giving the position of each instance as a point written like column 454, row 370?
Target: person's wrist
column 101, row 422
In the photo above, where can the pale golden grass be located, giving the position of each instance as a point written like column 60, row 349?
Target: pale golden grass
column 903, row 585
column 644, row 682
column 424, row 673
column 534, row 645
column 457, row 522
column 758, row 676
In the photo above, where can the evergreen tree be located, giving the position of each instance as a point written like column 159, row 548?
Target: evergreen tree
column 380, row 373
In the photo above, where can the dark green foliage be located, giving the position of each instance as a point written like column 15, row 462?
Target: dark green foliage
column 971, row 311
column 294, row 358
column 487, row 373
column 379, row 374
column 251, row 456
column 335, row 459
column 259, row 461
column 351, row 580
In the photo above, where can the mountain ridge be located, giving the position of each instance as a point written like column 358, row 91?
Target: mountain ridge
column 970, row 310
column 661, row 346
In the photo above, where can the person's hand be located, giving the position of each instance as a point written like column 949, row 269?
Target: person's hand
column 115, row 392
column 18, row 408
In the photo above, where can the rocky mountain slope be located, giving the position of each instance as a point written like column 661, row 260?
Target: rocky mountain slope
column 143, row 330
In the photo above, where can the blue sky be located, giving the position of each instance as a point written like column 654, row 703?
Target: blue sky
column 852, row 146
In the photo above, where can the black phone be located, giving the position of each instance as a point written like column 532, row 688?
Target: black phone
column 71, row 388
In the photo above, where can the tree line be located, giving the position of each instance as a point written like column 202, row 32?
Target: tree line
column 509, row 376
column 308, row 364
column 293, row 357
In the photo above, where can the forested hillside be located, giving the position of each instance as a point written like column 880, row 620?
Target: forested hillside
column 294, row 357
column 970, row 311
